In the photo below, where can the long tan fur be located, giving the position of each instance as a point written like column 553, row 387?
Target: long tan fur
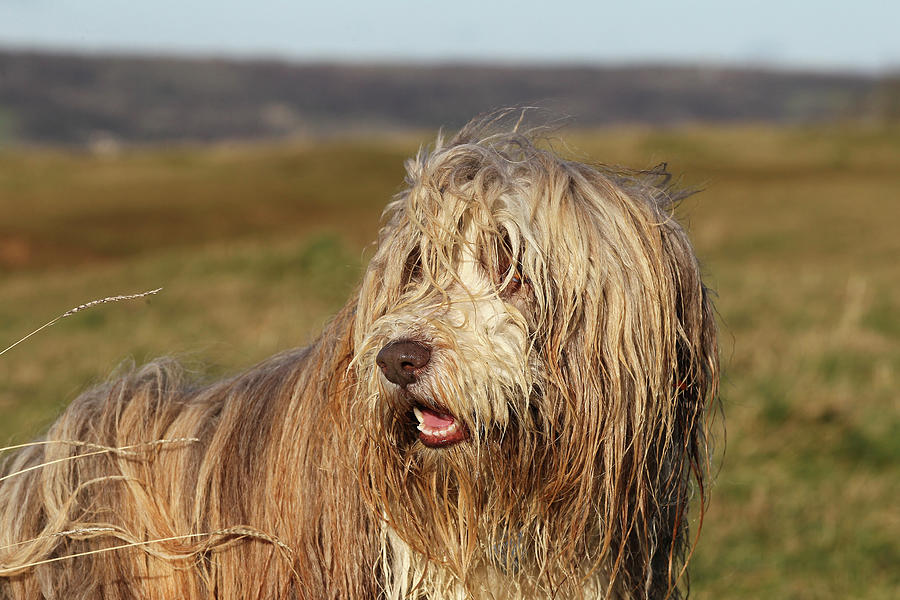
column 570, row 337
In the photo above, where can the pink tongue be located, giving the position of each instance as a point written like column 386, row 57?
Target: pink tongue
column 436, row 421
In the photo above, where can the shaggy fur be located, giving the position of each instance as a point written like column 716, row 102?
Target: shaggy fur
column 568, row 334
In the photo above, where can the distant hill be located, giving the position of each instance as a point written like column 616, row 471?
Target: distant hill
column 76, row 99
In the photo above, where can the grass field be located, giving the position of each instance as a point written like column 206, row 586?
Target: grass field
column 798, row 229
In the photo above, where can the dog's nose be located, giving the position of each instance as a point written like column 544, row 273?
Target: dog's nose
column 400, row 361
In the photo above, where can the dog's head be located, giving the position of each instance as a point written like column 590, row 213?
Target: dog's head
column 535, row 352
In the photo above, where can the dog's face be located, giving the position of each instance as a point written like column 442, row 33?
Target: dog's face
column 525, row 338
column 453, row 354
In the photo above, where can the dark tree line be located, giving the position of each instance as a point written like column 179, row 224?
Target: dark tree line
column 72, row 99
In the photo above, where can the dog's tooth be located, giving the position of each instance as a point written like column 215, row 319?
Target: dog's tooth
column 449, row 430
column 445, row 431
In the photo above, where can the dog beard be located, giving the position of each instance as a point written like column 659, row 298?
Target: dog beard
column 506, row 500
column 471, row 462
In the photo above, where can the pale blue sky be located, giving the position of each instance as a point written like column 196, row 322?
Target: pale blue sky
column 823, row 34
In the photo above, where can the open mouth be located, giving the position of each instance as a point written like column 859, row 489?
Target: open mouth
column 438, row 429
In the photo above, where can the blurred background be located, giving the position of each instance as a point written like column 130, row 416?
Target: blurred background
column 239, row 155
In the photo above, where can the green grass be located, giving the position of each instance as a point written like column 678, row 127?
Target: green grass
column 257, row 245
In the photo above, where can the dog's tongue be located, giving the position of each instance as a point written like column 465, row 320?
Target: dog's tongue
column 436, row 420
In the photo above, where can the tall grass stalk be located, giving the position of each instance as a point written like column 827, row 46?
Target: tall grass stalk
column 79, row 308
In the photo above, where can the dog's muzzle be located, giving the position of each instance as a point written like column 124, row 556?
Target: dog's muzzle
column 403, row 362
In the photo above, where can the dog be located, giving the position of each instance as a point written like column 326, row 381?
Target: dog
column 514, row 405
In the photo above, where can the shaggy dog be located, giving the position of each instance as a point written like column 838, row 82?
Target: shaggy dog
column 514, row 405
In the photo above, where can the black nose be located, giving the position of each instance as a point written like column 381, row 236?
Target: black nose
column 400, row 361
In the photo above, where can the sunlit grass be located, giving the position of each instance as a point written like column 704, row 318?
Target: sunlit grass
column 257, row 245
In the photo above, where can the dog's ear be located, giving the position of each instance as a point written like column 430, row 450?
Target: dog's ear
column 635, row 369
column 697, row 367
column 681, row 461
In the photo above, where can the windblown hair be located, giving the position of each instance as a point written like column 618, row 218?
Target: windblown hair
column 514, row 405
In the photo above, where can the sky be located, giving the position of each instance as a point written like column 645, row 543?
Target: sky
column 825, row 35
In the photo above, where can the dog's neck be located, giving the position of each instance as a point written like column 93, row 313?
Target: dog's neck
column 406, row 573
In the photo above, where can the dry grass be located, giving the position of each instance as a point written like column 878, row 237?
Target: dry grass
column 797, row 229
column 77, row 309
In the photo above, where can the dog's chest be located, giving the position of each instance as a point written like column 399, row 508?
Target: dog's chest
column 409, row 575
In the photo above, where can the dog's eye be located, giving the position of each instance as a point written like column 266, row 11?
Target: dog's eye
column 515, row 283
column 509, row 269
column 412, row 268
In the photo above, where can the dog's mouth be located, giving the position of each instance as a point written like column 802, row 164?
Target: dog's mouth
column 438, row 429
